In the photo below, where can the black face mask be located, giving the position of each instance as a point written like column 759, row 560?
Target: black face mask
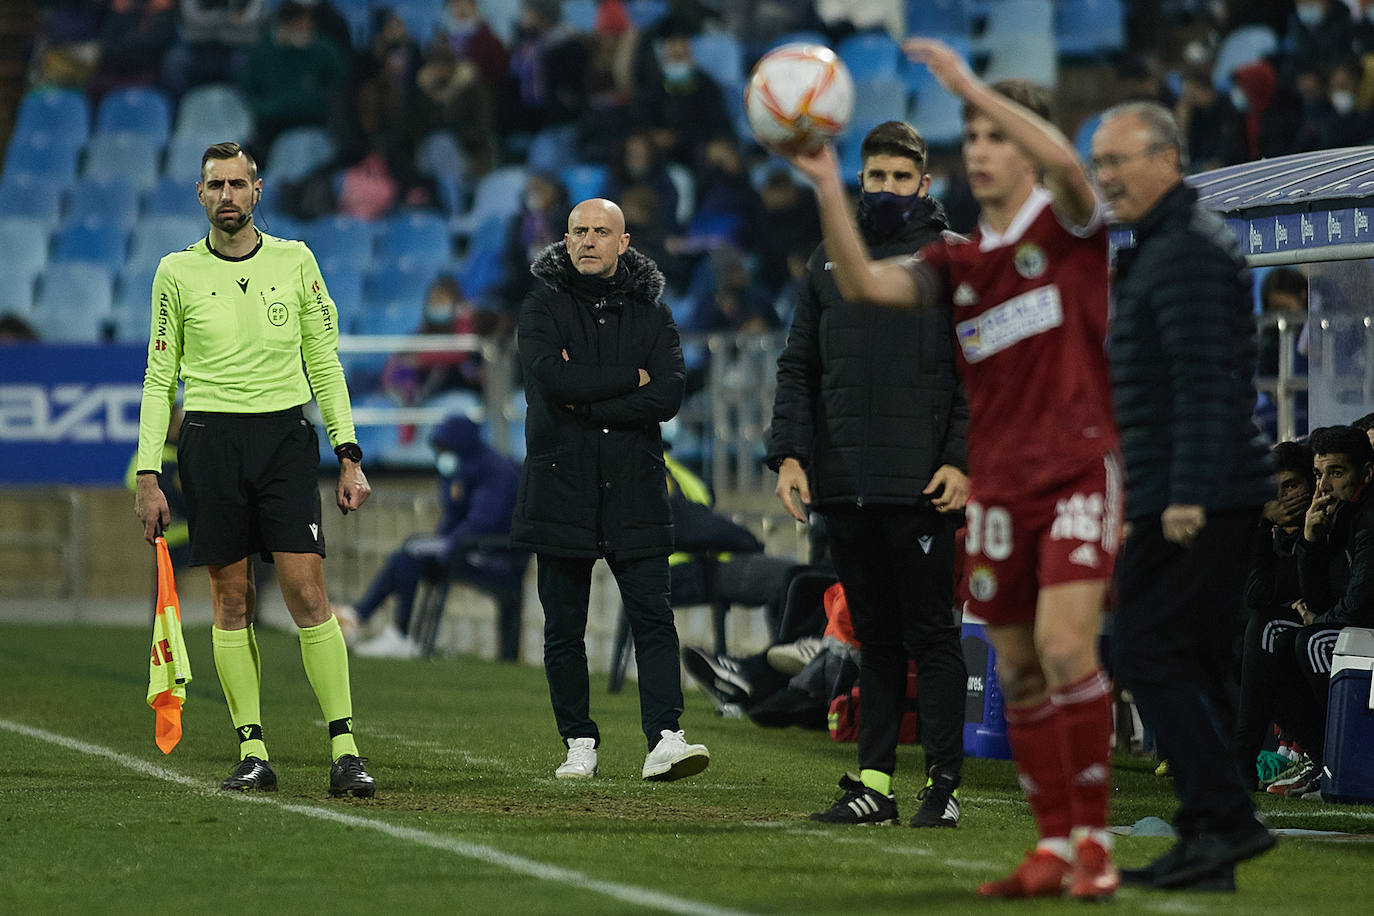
column 883, row 212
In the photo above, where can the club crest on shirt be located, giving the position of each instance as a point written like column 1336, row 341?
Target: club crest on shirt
column 982, row 583
column 965, row 295
column 1030, row 260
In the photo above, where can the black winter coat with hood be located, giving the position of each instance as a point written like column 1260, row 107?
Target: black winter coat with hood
column 594, row 482
column 868, row 398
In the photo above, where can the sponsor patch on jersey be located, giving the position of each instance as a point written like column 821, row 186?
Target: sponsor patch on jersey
column 1030, row 260
column 965, row 295
column 1011, row 322
column 982, row 583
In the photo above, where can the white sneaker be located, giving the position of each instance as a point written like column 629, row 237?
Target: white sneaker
column 390, row 643
column 581, row 762
column 674, row 758
column 790, row 658
column 348, row 622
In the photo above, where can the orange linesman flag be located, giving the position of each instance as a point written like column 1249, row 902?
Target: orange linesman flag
column 169, row 668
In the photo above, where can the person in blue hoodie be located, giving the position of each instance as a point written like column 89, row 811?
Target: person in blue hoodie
column 477, row 487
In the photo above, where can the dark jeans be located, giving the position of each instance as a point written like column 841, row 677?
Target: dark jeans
column 901, row 601
column 496, row 573
column 564, row 591
column 1177, row 616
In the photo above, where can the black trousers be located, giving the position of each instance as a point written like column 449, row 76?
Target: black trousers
column 1263, row 701
column 1178, row 614
column 564, row 590
column 897, row 567
column 1304, row 677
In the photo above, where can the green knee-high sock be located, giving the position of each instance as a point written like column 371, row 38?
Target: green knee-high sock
column 326, row 664
column 236, row 662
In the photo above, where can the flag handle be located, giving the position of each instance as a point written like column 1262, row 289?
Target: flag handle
column 152, row 602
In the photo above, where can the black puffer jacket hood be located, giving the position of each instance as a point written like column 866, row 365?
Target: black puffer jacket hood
column 637, row 271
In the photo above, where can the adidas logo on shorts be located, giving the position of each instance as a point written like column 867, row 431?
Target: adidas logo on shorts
column 1084, row 555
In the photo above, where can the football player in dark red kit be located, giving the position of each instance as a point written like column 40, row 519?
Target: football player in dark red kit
column 1029, row 295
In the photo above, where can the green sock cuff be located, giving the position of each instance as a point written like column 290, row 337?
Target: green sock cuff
column 255, row 748
column 877, row 780
column 322, row 633
column 230, row 639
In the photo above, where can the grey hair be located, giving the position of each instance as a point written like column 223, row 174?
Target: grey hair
column 1160, row 123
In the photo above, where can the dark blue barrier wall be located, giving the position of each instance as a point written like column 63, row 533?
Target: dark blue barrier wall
column 68, row 415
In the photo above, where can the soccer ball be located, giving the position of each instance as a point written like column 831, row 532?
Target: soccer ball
column 799, row 96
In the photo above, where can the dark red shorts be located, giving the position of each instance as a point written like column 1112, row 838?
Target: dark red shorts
column 1015, row 547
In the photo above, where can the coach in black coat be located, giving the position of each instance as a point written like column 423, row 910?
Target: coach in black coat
column 869, row 426
column 603, row 367
column 1182, row 366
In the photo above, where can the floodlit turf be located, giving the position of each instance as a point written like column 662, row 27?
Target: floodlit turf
column 468, row 818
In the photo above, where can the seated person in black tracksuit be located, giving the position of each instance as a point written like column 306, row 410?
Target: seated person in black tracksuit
column 1272, row 595
column 1336, row 576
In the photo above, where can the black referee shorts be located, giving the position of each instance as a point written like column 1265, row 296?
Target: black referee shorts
column 251, row 485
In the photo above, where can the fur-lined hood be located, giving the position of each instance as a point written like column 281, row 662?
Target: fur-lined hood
column 553, row 266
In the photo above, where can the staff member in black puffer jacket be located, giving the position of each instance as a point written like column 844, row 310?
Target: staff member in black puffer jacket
column 869, row 427
column 603, row 368
column 1182, row 356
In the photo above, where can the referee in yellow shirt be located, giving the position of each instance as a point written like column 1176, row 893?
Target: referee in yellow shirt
column 235, row 315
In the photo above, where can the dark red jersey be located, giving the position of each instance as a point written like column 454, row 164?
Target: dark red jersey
column 1030, row 321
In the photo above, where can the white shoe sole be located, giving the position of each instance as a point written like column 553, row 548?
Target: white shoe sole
column 573, row 775
column 690, row 764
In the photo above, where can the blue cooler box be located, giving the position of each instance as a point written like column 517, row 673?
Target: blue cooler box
column 985, row 723
column 1349, row 773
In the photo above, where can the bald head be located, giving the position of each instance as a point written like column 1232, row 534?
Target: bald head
column 596, row 237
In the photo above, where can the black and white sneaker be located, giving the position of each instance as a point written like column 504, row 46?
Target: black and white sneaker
column 939, row 802
column 859, row 805
column 248, row 774
column 719, row 675
column 347, row 776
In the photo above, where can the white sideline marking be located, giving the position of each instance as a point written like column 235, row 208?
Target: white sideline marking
column 519, row 864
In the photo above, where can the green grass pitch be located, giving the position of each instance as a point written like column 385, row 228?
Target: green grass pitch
column 468, row 817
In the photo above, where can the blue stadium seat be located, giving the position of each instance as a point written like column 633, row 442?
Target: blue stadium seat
column 113, row 202
column 484, row 266
column 417, row 238
column 870, row 56
column 298, row 152
column 131, row 314
column 92, row 241
column 340, row 240
column 686, row 186
column 283, row 227
column 580, row 14
column 358, row 15
column 213, row 113
column 552, row 149
column 939, row 116
column 25, row 195
column 345, row 285
column 72, row 303
column 403, row 289
column 1019, row 17
column 498, row 193
column 804, row 36
column 24, row 241
column 1086, row 27
column 1245, row 44
column 1029, row 55
column 1083, row 137
column 646, row 14
column 183, row 158
column 43, row 155
column 502, row 16
column 721, row 55
column 136, row 108
column 583, row 181
column 851, row 159
column 439, row 157
column 876, row 101
column 16, row 294
column 172, row 196
column 61, row 111
column 155, row 237
column 421, row 17
column 939, row 18
column 123, row 156
column 918, row 76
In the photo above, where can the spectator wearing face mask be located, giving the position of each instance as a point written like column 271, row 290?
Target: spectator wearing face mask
column 1320, row 31
column 477, row 487
column 412, row 378
column 685, row 107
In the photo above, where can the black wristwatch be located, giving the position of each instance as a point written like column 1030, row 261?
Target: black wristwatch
column 350, row 451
